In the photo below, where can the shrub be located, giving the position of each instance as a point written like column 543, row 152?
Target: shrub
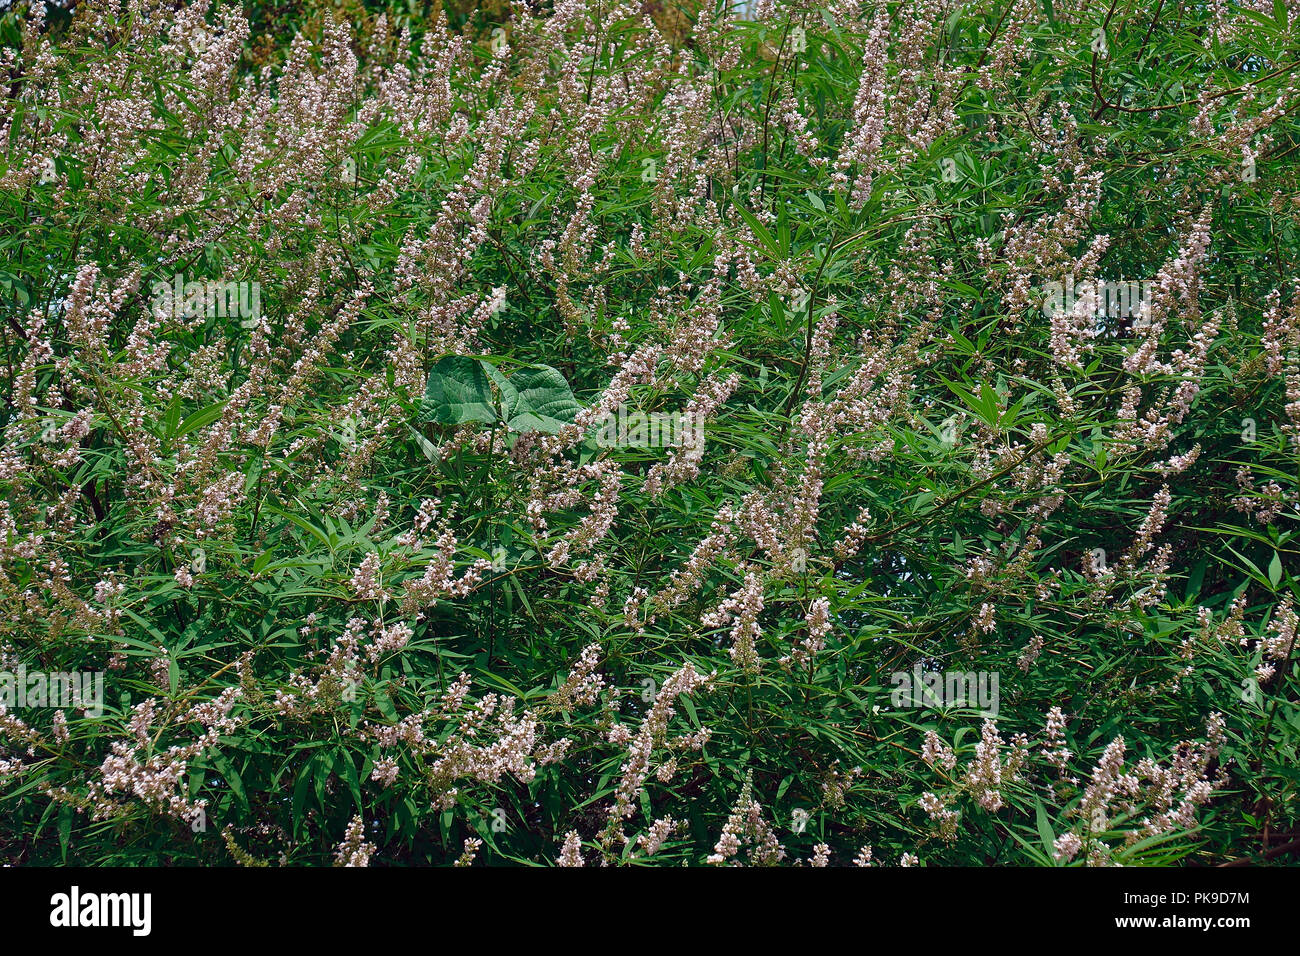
column 851, row 434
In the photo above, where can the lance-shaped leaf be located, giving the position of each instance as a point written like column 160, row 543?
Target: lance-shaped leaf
column 429, row 448
column 542, row 401
column 458, row 392
column 508, row 393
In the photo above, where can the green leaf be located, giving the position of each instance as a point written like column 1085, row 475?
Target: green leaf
column 199, row 419
column 458, row 392
column 1044, row 827
column 228, row 773
column 542, row 402
column 509, row 394
column 66, row 813
column 428, row 448
column 300, row 793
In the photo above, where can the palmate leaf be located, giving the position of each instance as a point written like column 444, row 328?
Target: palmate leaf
column 457, row 392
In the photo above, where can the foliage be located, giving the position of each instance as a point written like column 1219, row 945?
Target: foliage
column 331, row 366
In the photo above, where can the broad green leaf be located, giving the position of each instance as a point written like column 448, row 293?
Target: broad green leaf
column 543, row 401
column 458, row 392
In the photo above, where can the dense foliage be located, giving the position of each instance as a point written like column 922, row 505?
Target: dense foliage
column 330, row 366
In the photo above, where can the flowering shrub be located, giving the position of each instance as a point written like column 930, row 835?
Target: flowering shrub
column 324, row 358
